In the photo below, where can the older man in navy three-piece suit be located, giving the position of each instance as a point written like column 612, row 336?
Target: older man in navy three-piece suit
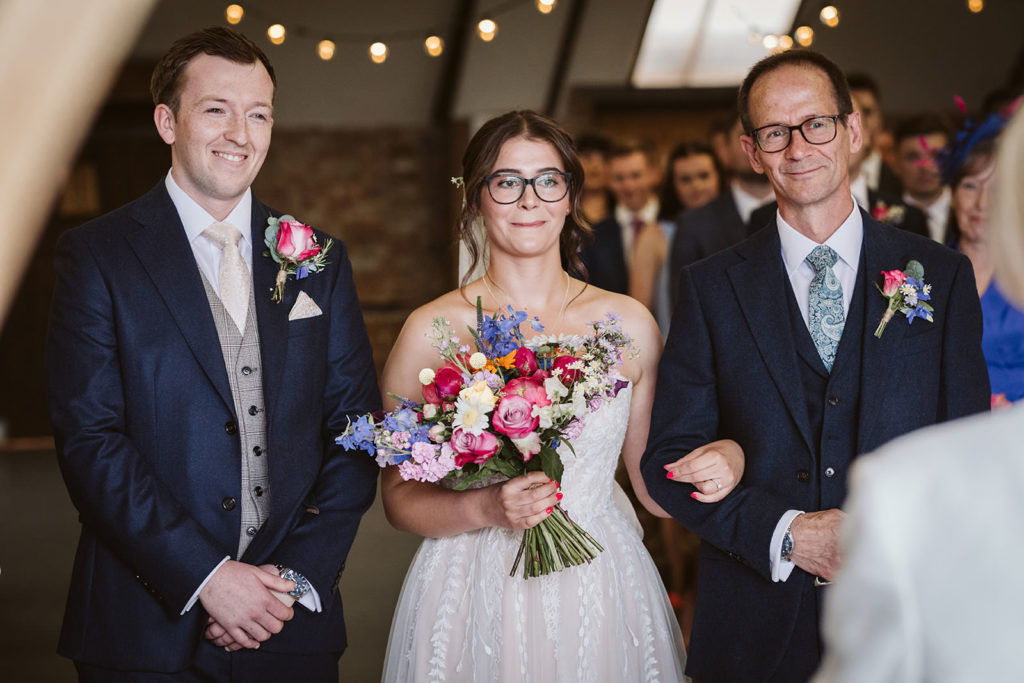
column 194, row 416
column 773, row 345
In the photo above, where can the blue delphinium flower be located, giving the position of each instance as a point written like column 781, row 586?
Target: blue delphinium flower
column 358, row 435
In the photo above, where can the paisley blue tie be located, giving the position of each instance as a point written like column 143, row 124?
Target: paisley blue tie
column 825, row 313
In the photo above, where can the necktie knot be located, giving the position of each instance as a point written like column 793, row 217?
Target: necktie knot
column 222, row 234
column 822, row 257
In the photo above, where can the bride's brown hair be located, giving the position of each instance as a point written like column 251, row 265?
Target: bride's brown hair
column 480, row 157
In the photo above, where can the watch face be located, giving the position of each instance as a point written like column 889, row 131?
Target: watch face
column 787, row 545
column 301, row 583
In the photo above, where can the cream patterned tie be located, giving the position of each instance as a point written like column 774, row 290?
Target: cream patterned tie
column 233, row 276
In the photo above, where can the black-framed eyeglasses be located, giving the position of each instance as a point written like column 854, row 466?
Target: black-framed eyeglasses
column 817, row 130
column 550, row 186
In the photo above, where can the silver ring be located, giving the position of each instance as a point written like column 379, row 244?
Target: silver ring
column 718, row 484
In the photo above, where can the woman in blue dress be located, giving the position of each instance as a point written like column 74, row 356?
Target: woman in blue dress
column 970, row 170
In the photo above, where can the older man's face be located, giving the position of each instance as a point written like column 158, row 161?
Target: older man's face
column 803, row 174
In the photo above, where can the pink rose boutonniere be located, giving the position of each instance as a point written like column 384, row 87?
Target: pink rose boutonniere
column 293, row 246
column 907, row 294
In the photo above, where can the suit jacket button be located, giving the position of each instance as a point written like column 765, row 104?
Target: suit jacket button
column 231, row 428
column 833, row 400
column 228, row 503
column 829, row 472
column 803, row 476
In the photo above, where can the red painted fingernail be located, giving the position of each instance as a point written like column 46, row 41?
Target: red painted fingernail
column 558, row 496
column 693, row 495
column 670, row 475
column 550, row 510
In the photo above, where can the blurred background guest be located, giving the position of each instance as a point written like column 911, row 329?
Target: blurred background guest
column 692, row 178
column 878, row 175
column 969, row 167
column 930, row 589
column 918, row 140
column 633, row 176
column 597, row 199
column 723, row 221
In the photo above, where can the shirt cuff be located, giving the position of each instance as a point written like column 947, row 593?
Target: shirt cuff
column 781, row 569
column 195, row 596
column 311, row 600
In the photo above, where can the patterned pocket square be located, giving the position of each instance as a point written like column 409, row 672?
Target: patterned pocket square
column 304, row 307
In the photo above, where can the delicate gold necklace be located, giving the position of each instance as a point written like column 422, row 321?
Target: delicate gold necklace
column 508, row 299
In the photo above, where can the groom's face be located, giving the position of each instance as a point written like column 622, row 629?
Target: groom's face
column 220, row 134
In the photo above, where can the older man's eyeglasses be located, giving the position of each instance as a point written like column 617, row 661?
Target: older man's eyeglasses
column 505, row 188
column 819, row 130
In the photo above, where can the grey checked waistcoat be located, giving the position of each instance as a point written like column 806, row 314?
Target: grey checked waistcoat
column 242, row 361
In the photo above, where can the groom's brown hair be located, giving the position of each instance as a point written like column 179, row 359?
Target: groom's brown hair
column 168, row 82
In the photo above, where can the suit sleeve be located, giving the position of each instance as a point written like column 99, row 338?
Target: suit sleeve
column 686, row 416
column 965, row 387
column 113, row 486
column 347, row 482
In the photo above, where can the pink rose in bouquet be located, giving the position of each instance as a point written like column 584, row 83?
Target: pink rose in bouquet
column 295, row 241
column 513, row 416
column 448, row 382
column 893, row 280
column 471, row 447
column 569, row 375
column 525, row 361
column 530, row 388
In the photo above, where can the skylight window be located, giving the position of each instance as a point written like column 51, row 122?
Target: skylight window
column 707, row 43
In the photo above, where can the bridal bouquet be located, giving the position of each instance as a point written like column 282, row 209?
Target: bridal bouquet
column 500, row 412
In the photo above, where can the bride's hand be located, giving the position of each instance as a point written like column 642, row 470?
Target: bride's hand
column 714, row 468
column 523, row 502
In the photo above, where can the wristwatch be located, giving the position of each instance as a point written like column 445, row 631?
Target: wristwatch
column 301, row 582
column 787, row 544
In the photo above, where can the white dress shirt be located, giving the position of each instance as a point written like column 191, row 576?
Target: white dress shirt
column 195, row 220
column 937, row 213
column 624, row 217
column 846, row 241
column 747, row 203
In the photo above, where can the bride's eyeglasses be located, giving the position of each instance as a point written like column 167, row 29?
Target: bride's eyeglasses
column 505, row 188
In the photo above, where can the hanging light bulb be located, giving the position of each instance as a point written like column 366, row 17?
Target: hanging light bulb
column 975, row 5
column 433, row 45
column 545, row 6
column 770, row 41
column 785, row 42
column 378, row 52
column 276, row 34
column 487, row 30
column 325, row 50
column 805, row 36
column 234, row 13
column 829, row 16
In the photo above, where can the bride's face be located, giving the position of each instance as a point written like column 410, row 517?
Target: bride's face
column 529, row 225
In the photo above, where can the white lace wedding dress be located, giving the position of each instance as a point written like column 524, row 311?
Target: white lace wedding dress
column 461, row 617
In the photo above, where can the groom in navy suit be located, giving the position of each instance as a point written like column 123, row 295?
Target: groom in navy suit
column 773, row 345
column 194, row 415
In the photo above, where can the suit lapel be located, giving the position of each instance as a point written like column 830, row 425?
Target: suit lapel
column 271, row 318
column 881, row 252
column 162, row 247
column 761, row 287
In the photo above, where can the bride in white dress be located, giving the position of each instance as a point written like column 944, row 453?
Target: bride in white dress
column 461, row 617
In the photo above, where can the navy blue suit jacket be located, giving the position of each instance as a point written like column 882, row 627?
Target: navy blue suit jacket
column 145, row 431
column 605, row 257
column 730, row 370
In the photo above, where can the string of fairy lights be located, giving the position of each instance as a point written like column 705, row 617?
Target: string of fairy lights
column 378, row 45
column 487, row 29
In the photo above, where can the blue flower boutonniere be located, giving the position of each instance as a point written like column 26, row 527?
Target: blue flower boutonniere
column 907, row 294
column 293, row 246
